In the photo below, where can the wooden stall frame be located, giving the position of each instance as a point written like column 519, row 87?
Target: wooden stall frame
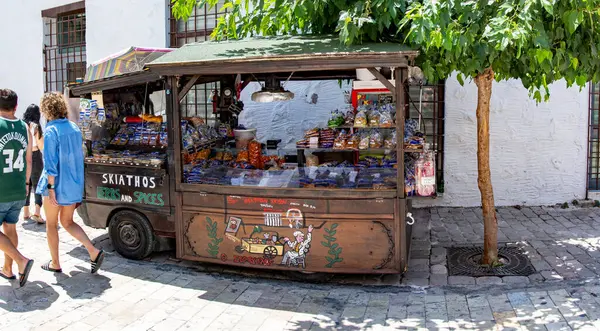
column 402, row 243
column 182, row 78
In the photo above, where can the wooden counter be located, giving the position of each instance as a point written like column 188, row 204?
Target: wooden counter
column 335, row 235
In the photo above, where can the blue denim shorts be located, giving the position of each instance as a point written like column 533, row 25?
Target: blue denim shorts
column 10, row 211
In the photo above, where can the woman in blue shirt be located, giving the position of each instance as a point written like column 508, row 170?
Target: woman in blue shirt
column 61, row 183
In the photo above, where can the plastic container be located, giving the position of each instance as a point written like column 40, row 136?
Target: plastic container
column 365, row 74
column 243, row 137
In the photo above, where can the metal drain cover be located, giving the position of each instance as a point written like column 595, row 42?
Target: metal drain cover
column 464, row 261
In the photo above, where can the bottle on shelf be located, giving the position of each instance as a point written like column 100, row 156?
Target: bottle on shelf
column 425, row 173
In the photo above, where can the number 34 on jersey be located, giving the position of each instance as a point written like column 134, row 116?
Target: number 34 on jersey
column 13, row 147
column 13, row 163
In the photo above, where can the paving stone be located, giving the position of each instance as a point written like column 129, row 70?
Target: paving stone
column 461, row 280
column 437, row 259
column 418, row 265
column 487, row 280
column 519, row 299
column 417, row 278
column 437, row 279
column 515, row 280
column 439, row 269
column 438, row 251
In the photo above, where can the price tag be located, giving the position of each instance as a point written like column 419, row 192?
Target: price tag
column 426, row 181
column 313, row 141
column 353, row 175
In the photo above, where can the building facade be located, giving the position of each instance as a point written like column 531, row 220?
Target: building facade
column 540, row 154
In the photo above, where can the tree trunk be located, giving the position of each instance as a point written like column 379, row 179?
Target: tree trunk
column 484, row 179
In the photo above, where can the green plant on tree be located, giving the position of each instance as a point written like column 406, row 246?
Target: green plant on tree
column 213, row 245
column 536, row 41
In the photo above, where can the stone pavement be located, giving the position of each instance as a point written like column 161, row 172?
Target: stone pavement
column 560, row 243
column 154, row 295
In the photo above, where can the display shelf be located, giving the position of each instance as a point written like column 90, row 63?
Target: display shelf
column 135, row 148
column 372, row 150
column 416, row 197
column 413, row 150
column 125, row 164
column 345, row 127
column 210, row 144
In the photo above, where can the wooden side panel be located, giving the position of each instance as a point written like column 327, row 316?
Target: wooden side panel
column 203, row 200
column 318, row 245
column 276, row 204
column 366, row 206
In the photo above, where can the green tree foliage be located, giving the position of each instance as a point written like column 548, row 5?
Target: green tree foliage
column 536, row 41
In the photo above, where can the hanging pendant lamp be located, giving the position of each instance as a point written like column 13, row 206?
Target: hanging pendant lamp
column 272, row 91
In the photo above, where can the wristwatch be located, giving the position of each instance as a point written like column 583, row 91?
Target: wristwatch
column 51, row 187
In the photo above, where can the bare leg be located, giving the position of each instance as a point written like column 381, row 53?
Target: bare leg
column 52, row 231
column 26, row 212
column 10, row 231
column 38, row 210
column 8, row 248
column 66, row 220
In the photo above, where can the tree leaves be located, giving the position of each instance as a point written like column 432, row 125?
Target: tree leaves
column 571, row 18
column 543, row 54
column 548, row 6
column 537, row 41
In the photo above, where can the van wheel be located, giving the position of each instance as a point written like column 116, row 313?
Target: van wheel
column 131, row 234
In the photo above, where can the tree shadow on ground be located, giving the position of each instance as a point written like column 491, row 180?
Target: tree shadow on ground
column 35, row 295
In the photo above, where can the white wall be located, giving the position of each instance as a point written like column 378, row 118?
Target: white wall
column 289, row 120
column 113, row 25
column 538, row 152
column 21, row 58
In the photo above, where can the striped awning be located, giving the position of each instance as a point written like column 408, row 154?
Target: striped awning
column 127, row 61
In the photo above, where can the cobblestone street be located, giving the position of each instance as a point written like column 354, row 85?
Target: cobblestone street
column 165, row 294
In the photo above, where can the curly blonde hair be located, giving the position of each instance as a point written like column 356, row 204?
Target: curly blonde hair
column 53, row 106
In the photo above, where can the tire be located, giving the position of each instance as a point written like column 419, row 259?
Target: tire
column 131, row 234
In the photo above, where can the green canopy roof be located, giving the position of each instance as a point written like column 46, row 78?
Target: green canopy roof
column 262, row 49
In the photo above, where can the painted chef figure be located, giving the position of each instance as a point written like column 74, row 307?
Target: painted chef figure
column 298, row 248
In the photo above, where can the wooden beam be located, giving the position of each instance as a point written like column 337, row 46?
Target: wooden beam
column 403, row 240
column 187, row 87
column 263, row 66
column 400, row 117
column 382, row 80
column 64, row 10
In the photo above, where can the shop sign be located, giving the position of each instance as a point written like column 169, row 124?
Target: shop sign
column 126, row 188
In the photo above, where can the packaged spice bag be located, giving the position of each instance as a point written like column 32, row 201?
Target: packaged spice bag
column 360, row 120
column 364, row 141
column 255, row 154
column 375, row 139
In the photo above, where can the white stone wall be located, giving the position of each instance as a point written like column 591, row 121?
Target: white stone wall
column 112, row 25
column 289, row 120
column 538, row 152
column 21, row 58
